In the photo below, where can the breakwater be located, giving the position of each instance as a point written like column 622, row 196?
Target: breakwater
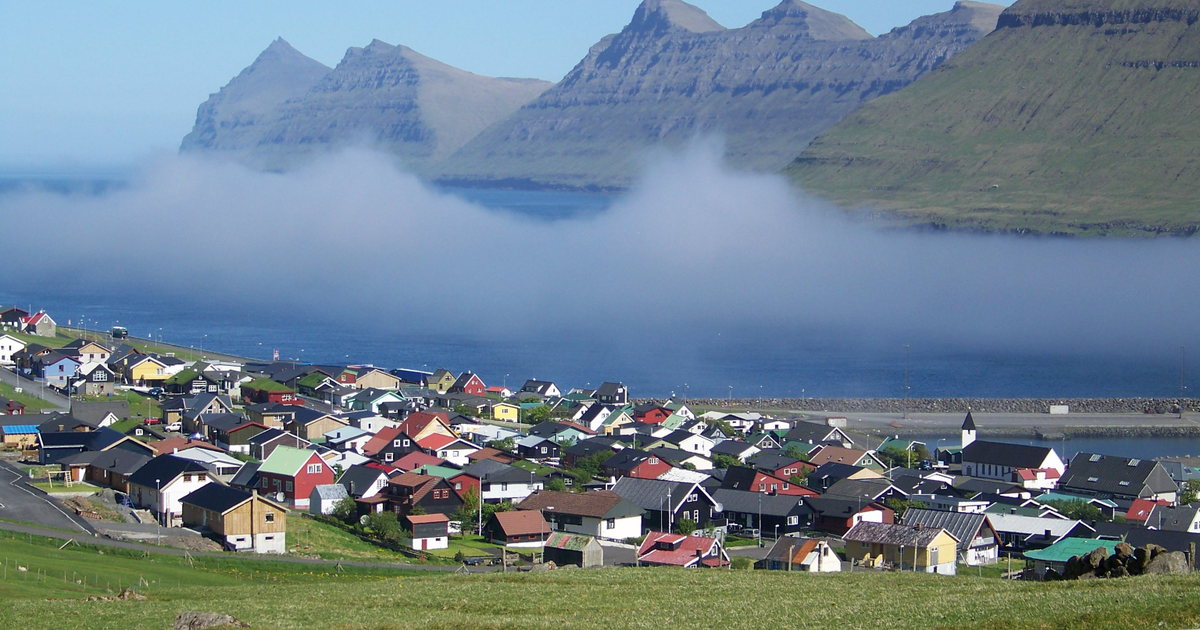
column 1149, row 406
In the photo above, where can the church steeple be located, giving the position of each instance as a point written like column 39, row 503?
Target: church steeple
column 968, row 430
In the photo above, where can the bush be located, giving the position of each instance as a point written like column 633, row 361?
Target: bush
column 459, row 557
column 742, row 563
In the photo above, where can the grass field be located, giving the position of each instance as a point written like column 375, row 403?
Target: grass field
column 279, row 595
column 33, row 404
column 309, row 537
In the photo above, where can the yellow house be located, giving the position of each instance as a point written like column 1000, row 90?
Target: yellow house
column 441, row 381
column 614, row 420
column 507, row 412
column 147, row 370
column 928, row 549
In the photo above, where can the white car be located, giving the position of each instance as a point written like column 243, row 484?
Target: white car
column 174, row 426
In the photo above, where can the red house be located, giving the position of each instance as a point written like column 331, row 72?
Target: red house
column 650, row 414
column 264, row 390
column 631, row 462
column 838, row 514
column 11, row 407
column 751, row 480
column 294, row 472
column 468, row 383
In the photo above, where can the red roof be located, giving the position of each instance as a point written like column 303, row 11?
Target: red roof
column 1140, row 510
column 420, row 519
column 1031, row 474
column 417, row 421
column 678, row 550
column 380, row 441
column 522, row 523
column 436, row 441
column 35, row 319
column 417, row 459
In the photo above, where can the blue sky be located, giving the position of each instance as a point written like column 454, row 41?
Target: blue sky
column 100, row 86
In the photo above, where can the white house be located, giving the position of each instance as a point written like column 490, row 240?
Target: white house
column 159, row 485
column 9, row 345
column 324, row 498
column 690, row 442
column 451, row 449
column 601, row 514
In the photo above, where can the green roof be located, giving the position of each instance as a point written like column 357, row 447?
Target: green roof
column 1058, row 496
column 444, row 472
column 312, row 380
column 1063, row 550
column 285, row 460
column 266, row 385
column 186, row 376
column 573, row 542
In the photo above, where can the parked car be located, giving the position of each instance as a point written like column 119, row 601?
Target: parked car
column 475, row 561
column 174, row 426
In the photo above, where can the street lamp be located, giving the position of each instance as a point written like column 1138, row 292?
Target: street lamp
column 158, row 497
column 776, row 531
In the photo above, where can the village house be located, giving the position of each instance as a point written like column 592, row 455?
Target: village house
column 231, row 431
column 311, row 424
column 751, row 480
column 600, row 514
column 104, row 468
column 852, row 457
column 363, row 481
column 1182, row 518
column 545, row 389
column 772, row 514
column 638, row 464
column 612, row 394
column 429, row 531
column 584, row 552
column 19, row 436
column 517, row 530
column 95, row 379
column 434, row 495
column 239, row 520
column 9, row 407
column 800, row 554
column 1121, row 478
column 499, row 482
column 998, row 460
column 39, row 324
column 265, row 390
column 667, row 502
column 468, row 383
column 978, row 542
column 676, row 550
column 927, row 549
column 55, row 445
column 741, row 451
column 324, row 499
column 292, row 473
column 450, row 448
column 160, row 484
column 837, row 515
column 9, row 346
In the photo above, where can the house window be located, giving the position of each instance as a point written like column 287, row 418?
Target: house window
column 289, row 486
column 653, row 461
column 269, row 517
column 268, row 538
column 264, row 482
column 793, row 520
column 396, row 443
column 610, row 523
column 187, row 478
column 762, row 487
column 693, row 497
column 504, row 487
column 458, row 485
column 406, row 443
column 785, row 486
column 387, row 457
column 314, row 469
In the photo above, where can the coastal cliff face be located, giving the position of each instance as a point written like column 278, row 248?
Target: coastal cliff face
column 382, row 96
column 674, row 73
column 239, row 115
column 1073, row 117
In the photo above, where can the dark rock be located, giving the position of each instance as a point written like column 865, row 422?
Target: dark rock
column 1118, row 571
column 1153, row 550
column 1168, row 563
column 1096, row 558
column 192, row 620
column 1124, row 550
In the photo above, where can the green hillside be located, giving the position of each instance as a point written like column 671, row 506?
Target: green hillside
column 284, row 595
column 1075, row 116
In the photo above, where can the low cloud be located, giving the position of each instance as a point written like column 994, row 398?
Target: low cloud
column 694, row 253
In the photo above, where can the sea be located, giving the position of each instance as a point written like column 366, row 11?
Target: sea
column 749, row 363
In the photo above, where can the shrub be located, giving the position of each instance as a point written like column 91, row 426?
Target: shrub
column 742, row 563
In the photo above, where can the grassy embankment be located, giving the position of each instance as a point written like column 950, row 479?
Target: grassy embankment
column 33, row 404
column 309, row 537
column 281, row 595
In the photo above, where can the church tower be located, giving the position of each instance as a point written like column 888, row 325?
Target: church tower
column 968, row 430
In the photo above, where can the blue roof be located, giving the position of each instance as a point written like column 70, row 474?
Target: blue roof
column 20, row 429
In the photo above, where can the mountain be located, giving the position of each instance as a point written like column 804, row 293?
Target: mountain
column 673, row 72
column 388, row 97
column 1074, row 116
column 235, row 117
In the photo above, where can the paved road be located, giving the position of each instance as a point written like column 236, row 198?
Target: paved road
column 33, row 388
column 950, row 423
column 19, row 502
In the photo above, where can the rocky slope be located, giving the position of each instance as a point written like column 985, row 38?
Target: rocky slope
column 383, row 96
column 238, row 115
column 1074, row 116
column 673, row 73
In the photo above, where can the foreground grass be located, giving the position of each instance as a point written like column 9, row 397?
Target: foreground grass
column 277, row 595
column 33, row 404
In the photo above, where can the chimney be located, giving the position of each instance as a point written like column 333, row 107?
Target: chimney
column 1048, row 534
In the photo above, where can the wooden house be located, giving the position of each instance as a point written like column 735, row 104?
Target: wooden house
column 520, row 529
column 927, row 549
column 239, row 520
column 429, row 531
column 293, row 472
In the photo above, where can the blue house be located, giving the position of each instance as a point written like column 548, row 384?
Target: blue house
column 57, row 369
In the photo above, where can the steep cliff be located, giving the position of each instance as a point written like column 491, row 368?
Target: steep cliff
column 673, row 73
column 383, row 96
column 237, row 116
column 1074, row 116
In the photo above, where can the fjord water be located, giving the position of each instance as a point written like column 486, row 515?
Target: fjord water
column 739, row 361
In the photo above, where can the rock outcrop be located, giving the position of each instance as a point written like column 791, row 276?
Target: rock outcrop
column 674, row 73
column 1125, row 561
column 381, row 96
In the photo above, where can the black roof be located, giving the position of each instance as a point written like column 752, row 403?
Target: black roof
column 67, row 422
column 771, row 505
column 1003, row 454
column 971, row 486
column 164, row 468
column 609, row 389
column 267, row 436
column 224, row 421
column 590, row 446
column 97, row 440
column 732, row 447
column 771, row 459
column 216, row 497
column 1092, row 473
column 809, row 432
column 497, row 472
column 835, row 507
column 969, row 422
column 358, row 477
column 627, row 459
column 739, row 478
column 247, row 476
column 853, row 488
